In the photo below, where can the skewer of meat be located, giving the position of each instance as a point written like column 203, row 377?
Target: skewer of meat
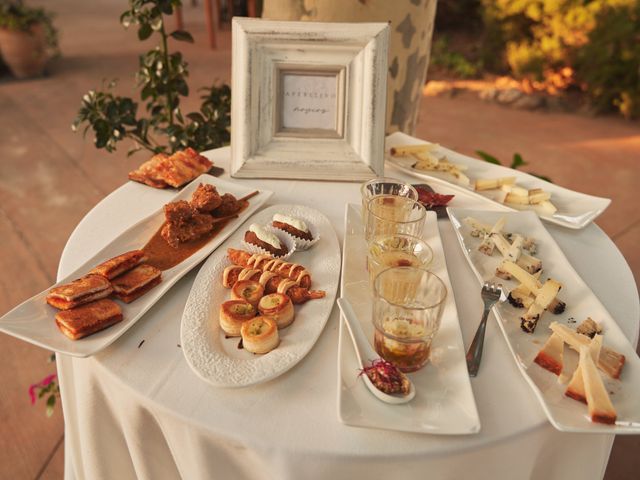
column 266, row 263
column 271, row 282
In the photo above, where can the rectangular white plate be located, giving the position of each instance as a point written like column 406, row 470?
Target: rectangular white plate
column 575, row 210
column 217, row 359
column 444, row 402
column 34, row 320
column 564, row 413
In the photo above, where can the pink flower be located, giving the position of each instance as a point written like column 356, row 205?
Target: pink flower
column 48, row 379
column 32, row 393
column 41, row 384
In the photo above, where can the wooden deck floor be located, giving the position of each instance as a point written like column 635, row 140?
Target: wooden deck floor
column 50, row 178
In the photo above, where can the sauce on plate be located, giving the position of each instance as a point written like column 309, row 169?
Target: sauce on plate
column 163, row 256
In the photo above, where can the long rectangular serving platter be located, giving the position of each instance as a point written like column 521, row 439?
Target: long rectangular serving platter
column 444, row 403
column 564, row 413
column 575, row 210
column 34, row 320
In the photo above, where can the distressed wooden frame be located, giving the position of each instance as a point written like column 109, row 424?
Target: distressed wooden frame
column 355, row 52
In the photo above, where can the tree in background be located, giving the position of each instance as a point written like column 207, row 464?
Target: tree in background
column 594, row 45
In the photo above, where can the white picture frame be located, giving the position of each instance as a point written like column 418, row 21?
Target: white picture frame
column 308, row 99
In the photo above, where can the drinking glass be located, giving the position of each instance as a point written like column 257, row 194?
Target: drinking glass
column 397, row 250
column 407, row 311
column 390, row 214
column 384, row 186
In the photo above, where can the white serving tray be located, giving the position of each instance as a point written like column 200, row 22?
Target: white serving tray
column 216, row 359
column 564, row 413
column 575, row 210
column 444, row 402
column 34, row 320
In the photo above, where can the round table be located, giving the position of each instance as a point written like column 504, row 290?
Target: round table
column 136, row 410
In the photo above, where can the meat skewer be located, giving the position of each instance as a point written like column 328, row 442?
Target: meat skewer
column 271, row 282
column 266, row 263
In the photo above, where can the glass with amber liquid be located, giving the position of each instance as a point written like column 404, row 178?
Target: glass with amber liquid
column 397, row 250
column 407, row 311
column 384, row 186
column 390, row 214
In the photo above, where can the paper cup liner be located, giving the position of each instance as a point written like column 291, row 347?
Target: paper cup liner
column 301, row 244
column 286, row 240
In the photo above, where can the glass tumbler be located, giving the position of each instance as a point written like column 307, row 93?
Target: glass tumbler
column 390, row 215
column 397, row 250
column 407, row 311
column 384, row 186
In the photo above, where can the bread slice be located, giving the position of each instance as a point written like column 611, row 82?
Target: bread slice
column 120, row 264
column 83, row 290
column 88, row 319
column 136, row 282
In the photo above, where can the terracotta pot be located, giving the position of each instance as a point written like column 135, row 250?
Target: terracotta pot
column 25, row 53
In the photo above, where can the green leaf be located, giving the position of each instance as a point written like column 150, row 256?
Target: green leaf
column 182, row 36
column 182, row 88
column 542, row 177
column 195, row 117
column 166, row 7
column 488, row 158
column 51, row 403
column 144, row 31
column 517, row 161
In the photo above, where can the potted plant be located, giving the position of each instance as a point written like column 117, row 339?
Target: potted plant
column 28, row 38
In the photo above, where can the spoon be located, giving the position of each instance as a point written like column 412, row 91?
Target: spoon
column 365, row 350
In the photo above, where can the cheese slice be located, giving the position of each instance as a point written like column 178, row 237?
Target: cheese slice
column 525, row 278
column 550, row 357
column 601, row 409
column 609, row 361
column 575, row 388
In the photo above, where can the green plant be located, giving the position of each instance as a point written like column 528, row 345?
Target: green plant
column 610, row 61
column 443, row 56
column 591, row 44
column 15, row 15
column 516, row 162
column 47, row 387
column 162, row 80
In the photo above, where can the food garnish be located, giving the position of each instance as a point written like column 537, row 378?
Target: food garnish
column 386, row 377
column 432, row 200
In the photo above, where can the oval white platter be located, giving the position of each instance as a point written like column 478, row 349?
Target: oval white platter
column 564, row 413
column 217, row 359
column 575, row 210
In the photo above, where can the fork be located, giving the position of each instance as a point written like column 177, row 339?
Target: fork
column 490, row 294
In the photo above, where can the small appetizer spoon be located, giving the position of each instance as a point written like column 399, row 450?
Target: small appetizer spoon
column 364, row 349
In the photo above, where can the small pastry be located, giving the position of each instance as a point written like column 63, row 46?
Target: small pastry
column 233, row 313
column 278, row 307
column 230, row 275
column 268, row 241
column 248, row 290
column 293, row 226
column 260, row 335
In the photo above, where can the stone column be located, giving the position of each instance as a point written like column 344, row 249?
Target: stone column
column 409, row 43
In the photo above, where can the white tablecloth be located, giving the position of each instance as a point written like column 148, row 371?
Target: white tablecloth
column 136, row 410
